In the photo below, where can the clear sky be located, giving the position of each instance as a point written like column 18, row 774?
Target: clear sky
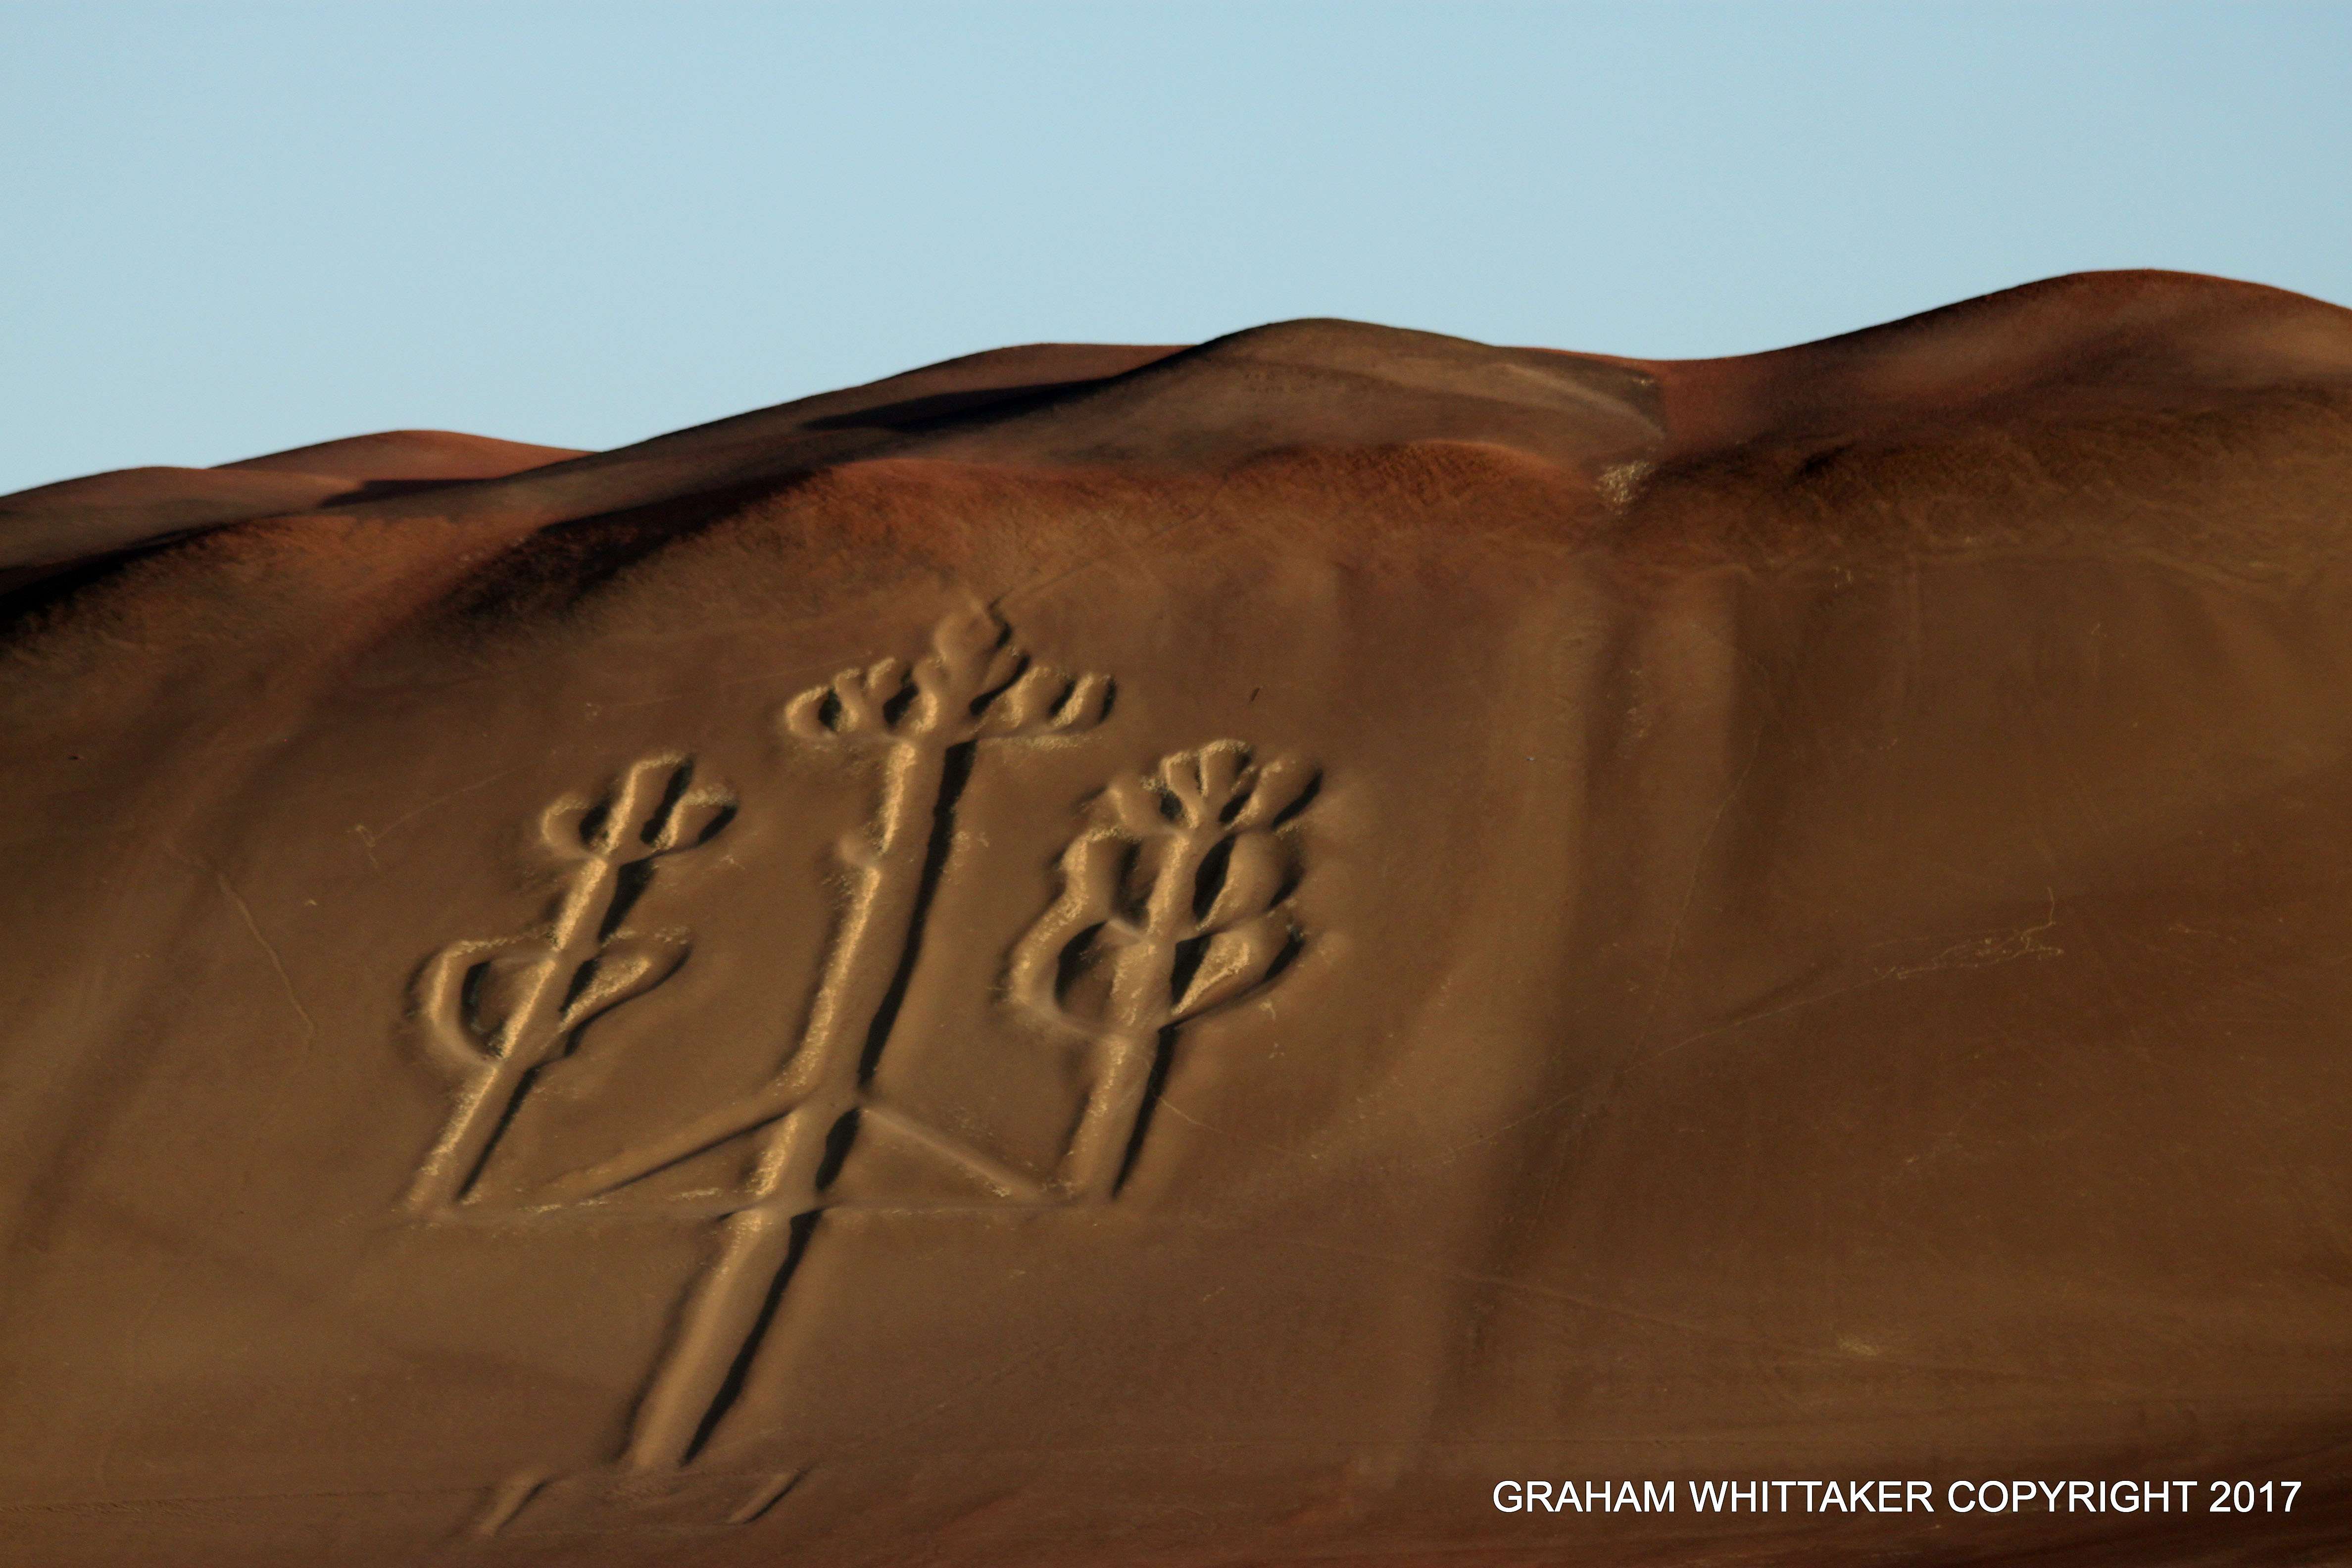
column 227, row 228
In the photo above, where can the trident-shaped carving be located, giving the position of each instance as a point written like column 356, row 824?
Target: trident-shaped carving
column 1173, row 903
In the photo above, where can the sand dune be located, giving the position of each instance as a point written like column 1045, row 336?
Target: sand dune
column 410, row 457
column 1189, row 955
column 55, row 525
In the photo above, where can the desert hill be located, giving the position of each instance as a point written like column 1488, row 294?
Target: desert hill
column 2093, row 345
column 1107, row 954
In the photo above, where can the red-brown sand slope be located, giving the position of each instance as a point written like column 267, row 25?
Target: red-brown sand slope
column 417, row 457
column 53, row 526
column 1117, row 955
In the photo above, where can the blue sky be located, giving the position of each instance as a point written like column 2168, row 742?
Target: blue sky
column 229, row 228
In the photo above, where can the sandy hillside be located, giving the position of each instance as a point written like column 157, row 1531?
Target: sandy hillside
column 1108, row 955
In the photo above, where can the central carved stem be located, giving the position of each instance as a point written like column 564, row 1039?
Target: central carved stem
column 724, row 1320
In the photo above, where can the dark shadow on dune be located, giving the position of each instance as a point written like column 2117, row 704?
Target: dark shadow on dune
column 555, row 569
column 28, row 594
column 941, row 408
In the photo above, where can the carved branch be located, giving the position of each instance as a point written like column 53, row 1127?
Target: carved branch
column 495, row 1010
column 1210, row 930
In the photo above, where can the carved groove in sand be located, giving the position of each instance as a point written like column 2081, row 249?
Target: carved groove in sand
column 1170, row 908
column 1172, row 905
column 498, row 1011
column 971, row 688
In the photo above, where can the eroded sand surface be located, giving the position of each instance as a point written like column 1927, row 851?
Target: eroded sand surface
column 1103, row 955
